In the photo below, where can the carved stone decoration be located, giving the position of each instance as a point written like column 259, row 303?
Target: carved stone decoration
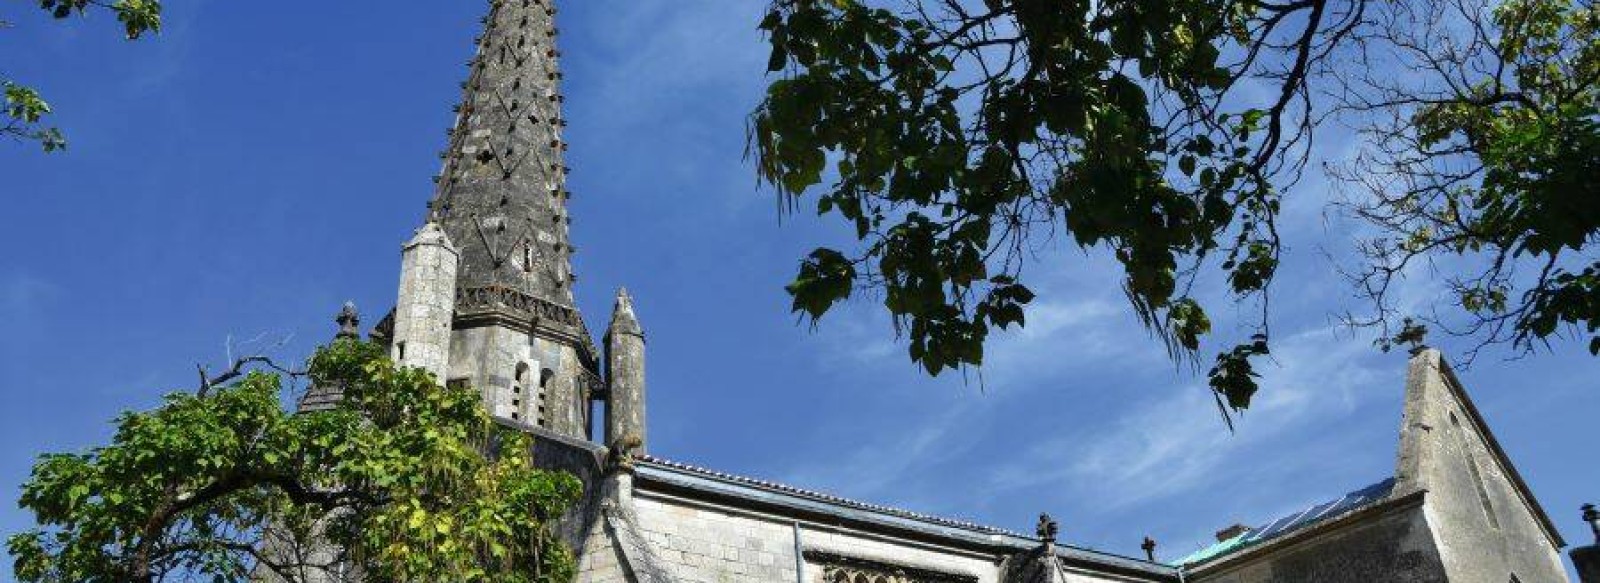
column 349, row 321
column 1048, row 529
column 846, row 569
column 499, row 298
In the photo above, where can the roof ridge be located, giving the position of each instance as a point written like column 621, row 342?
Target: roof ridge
column 795, row 490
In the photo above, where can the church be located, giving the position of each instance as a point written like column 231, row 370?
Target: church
column 486, row 299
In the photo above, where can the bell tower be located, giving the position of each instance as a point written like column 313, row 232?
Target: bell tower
column 500, row 204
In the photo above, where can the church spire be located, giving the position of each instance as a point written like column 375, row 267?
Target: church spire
column 496, row 311
column 501, row 195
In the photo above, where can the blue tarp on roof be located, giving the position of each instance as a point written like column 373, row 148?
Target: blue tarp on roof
column 1294, row 522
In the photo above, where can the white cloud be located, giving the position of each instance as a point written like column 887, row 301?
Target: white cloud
column 877, row 470
column 1174, row 442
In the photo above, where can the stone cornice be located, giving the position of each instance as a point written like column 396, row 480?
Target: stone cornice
column 510, row 308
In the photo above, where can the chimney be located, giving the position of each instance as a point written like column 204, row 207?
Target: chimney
column 1228, row 533
column 1587, row 559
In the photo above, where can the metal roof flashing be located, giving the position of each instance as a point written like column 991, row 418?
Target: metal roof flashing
column 1301, row 530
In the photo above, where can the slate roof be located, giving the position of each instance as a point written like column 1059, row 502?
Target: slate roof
column 320, row 398
column 1286, row 525
column 829, row 508
column 835, row 500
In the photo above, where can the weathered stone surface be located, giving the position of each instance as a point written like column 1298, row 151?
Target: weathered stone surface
column 1458, row 511
column 1394, row 545
column 424, row 310
column 501, row 195
column 1487, row 524
column 513, row 332
column 625, row 401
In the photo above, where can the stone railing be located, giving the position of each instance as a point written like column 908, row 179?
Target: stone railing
column 501, row 297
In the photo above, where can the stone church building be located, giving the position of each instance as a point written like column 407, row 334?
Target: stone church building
column 486, row 300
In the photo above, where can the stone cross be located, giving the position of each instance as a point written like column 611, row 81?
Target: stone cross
column 1048, row 529
column 349, row 321
column 1149, row 547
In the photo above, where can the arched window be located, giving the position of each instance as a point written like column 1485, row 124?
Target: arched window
column 518, row 388
column 855, row 570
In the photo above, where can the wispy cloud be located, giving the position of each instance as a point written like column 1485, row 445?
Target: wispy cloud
column 1072, row 332
column 673, row 80
column 878, row 469
column 1171, row 443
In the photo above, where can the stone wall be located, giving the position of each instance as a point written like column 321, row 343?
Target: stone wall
column 1390, row 544
column 700, row 541
column 1485, row 527
column 489, row 358
column 704, row 543
column 600, row 561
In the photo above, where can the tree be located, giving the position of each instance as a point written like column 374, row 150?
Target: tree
column 406, row 480
column 1482, row 168
column 25, row 109
column 957, row 136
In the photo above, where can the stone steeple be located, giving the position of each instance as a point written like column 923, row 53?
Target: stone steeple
column 500, row 202
column 501, row 195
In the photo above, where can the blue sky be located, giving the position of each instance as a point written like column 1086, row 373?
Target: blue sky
column 257, row 164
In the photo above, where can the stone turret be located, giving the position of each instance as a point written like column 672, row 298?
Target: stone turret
column 625, row 417
column 422, row 315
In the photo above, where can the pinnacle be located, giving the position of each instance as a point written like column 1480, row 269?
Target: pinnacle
column 431, row 233
column 623, row 318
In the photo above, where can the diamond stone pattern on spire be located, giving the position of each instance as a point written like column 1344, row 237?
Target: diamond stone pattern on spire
column 501, row 194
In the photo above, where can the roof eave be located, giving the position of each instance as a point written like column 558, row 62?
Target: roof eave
column 1382, row 507
column 688, row 483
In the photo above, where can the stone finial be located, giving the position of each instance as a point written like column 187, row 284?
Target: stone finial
column 1591, row 515
column 349, row 322
column 1149, row 547
column 1048, row 529
column 623, row 320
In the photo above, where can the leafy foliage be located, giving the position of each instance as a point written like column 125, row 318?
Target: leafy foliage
column 956, row 137
column 406, row 480
column 953, row 134
column 1486, row 159
column 25, row 109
